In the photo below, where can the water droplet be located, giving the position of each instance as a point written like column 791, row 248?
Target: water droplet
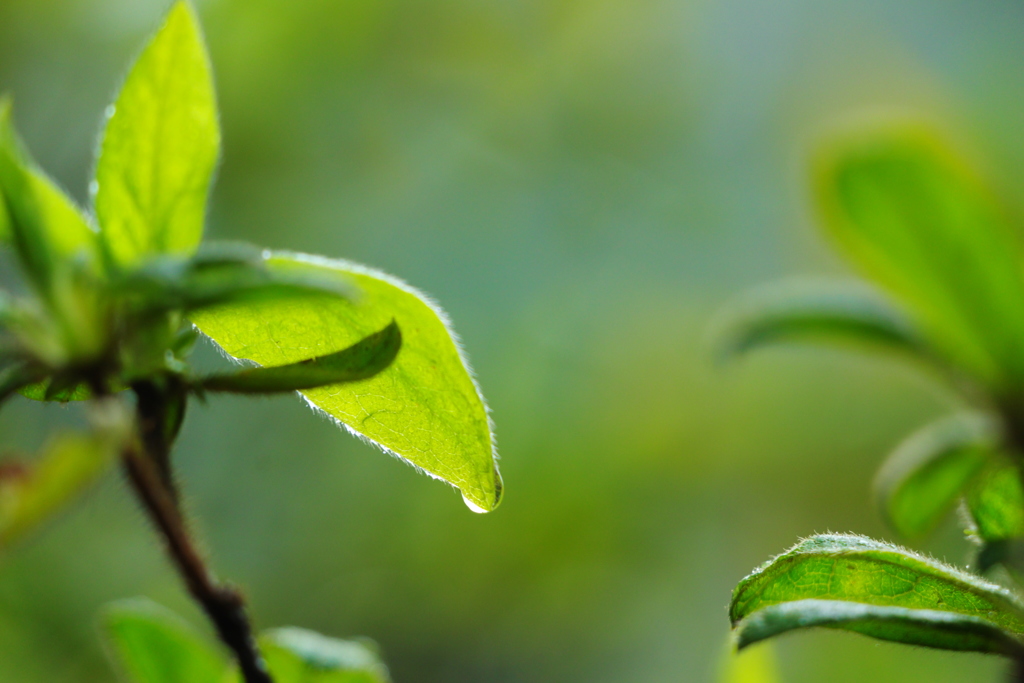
column 265, row 254
column 472, row 506
column 109, row 111
column 94, row 188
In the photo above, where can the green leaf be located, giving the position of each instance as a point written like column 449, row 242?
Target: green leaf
column 996, row 502
column 360, row 361
column 920, row 221
column 861, row 571
column 210, row 279
column 931, row 470
column 16, row 377
column 817, row 312
column 30, row 494
column 926, row 627
column 46, row 227
column 296, row 655
column 160, row 148
column 151, row 644
column 425, row 407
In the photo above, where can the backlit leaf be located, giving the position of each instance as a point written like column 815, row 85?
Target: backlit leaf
column 861, row 571
column 425, row 407
column 360, row 361
column 931, row 470
column 160, row 147
column 151, row 644
column 918, row 219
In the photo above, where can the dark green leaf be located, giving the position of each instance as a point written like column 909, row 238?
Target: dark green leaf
column 160, row 147
column 425, row 407
column 151, row 644
column 859, row 570
column 926, row 627
column 916, row 218
column 817, row 313
column 360, row 361
column 931, row 470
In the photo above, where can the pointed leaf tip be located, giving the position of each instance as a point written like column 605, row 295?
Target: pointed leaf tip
column 425, row 407
column 160, row 147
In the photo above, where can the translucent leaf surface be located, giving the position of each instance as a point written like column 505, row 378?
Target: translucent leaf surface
column 919, row 220
column 360, row 361
column 160, row 147
column 859, row 570
column 151, row 644
column 425, row 407
column 930, row 628
column 295, row 655
column 931, row 470
column 817, row 313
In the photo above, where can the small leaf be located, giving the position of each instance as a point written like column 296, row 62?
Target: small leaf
column 926, row 627
column 861, row 571
column 30, row 494
column 160, row 147
column 296, row 655
column 360, row 361
column 818, row 313
column 921, row 222
column 425, row 407
column 931, row 470
column 44, row 224
column 996, row 502
column 151, row 644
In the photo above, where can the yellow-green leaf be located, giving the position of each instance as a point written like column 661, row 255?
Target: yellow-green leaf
column 425, row 407
column 160, row 147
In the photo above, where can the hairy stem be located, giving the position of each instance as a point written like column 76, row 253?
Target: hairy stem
column 151, row 477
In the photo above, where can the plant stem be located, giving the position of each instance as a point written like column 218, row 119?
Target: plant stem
column 222, row 604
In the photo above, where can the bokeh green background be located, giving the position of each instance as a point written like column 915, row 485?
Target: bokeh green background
column 582, row 183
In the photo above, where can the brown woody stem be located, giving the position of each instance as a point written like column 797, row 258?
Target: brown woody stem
column 150, row 477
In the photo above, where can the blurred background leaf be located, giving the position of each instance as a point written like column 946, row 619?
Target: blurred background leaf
column 581, row 184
